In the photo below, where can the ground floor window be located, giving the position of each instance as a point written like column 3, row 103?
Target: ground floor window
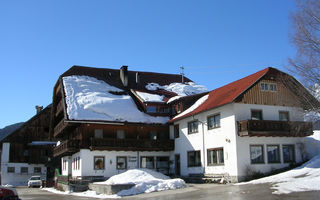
column 215, row 156
column 11, row 170
column 288, row 153
column 121, row 162
column 24, row 170
column 37, row 170
column 98, row 162
column 256, row 154
column 273, row 153
column 194, row 159
column 163, row 162
column 147, row 162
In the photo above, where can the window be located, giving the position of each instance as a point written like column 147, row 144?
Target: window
column 163, row 110
column 121, row 134
column 273, row 87
column 256, row 154
column 98, row 162
column 153, row 135
column 256, row 114
column 288, row 153
column 264, row 86
column 37, row 170
column 215, row 156
column 214, row 121
column 121, row 162
column 147, row 162
column 98, row 133
column 151, row 109
column 24, row 170
column 194, row 159
column 193, row 127
column 162, row 162
column 273, row 153
column 283, row 115
column 176, row 131
column 11, row 170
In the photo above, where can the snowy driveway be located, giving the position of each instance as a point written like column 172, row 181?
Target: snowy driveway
column 197, row 191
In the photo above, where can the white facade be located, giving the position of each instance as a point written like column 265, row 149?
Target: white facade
column 11, row 173
column 81, row 164
column 236, row 149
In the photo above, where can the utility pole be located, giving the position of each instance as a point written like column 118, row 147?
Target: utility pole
column 182, row 73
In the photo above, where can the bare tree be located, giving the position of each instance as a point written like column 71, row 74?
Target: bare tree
column 306, row 38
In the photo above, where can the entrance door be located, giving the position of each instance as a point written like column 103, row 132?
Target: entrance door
column 177, row 164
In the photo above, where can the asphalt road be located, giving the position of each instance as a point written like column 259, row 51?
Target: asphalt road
column 194, row 191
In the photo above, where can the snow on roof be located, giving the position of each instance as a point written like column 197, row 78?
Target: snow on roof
column 303, row 178
column 150, row 97
column 88, row 98
column 194, row 106
column 145, row 181
column 174, row 98
column 181, row 89
column 36, row 143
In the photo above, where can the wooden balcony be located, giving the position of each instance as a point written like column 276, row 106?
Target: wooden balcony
column 270, row 128
column 131, row 144
column 59, row 108
column 67, row 147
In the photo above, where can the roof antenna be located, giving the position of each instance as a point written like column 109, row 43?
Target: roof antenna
column 182, row 74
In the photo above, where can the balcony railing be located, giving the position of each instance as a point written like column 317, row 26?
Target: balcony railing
column 66, row 148
column 274, row 128
column 131, row 144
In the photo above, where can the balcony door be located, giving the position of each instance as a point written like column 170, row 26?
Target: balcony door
column 177, row 164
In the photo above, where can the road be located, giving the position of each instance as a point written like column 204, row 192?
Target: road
column 194, row 191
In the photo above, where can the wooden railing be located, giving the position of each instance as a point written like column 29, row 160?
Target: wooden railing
column 274, row 128
column 59, row 107
column 65, row 148
column 59, row 127
column 131, row 144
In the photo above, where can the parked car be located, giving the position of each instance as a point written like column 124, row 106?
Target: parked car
column 35, row 181
column 7, row 193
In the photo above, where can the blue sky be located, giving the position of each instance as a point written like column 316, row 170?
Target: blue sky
column 216, row 41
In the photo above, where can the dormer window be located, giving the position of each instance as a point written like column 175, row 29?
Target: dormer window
column 151, row 109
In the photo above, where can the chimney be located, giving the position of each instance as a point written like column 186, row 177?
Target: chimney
column 124, row 75
column 137, row 78
column 182, row 74
column 39, row 108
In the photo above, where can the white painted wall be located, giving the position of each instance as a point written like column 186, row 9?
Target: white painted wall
column 17, row 178
column 67, row 171
column 87, row 161
column 214, row 138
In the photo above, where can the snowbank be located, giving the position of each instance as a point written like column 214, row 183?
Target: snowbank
column 312, row 144
column 145, row 181
column 90, row 99
column 194, row 106
column 181, row 89
column 303, row 178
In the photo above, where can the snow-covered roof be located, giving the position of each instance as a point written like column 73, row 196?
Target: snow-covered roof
column 147, row 97
column 88, row 98
column 181, row 89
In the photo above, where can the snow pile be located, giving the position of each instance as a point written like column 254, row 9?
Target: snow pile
column 194, row 106
column 90, row 99
column 303, row 178
column 150, row 97
column 181, row 89
column 145, row 181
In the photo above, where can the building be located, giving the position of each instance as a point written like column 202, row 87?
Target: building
column 252, row 125
column 28, row 151
column 108, row 121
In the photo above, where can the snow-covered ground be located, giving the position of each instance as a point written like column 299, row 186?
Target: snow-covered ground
column 88, row 98
column 303, row 178
column 145, row 181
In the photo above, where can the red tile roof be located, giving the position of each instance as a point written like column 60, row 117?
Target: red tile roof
column 228, row 93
